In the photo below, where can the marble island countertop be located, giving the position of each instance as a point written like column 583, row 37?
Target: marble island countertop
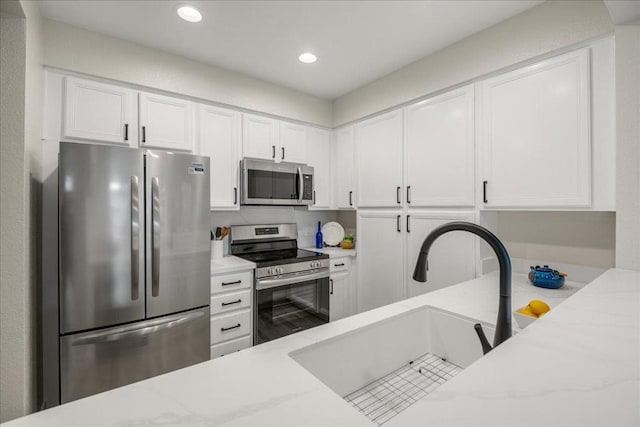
column 579, row 365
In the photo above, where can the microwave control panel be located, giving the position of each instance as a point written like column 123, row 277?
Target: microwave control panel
column 307, row 187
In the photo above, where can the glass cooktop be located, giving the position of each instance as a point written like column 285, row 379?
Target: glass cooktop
column 286, row 256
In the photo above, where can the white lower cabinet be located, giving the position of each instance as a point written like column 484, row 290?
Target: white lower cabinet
column 340, row 288
column 451, row 257
column 380, row 259
column 231, row 312
column 388, row 247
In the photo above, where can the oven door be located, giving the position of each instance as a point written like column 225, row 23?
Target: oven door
column 267, row 183
column 284, row 306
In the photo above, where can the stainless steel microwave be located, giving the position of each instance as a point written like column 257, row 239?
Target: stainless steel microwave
column 265, row 182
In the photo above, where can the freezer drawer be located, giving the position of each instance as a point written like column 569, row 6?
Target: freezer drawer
column 92, row 362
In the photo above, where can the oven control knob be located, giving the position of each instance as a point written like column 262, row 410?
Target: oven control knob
column 280, row 270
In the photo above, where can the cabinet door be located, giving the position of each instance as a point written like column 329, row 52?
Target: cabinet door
column 166, row 122
column 99, row 112
column 344, row 171
column 536, row 135
column 451, row 258
column 340, row 296
column 379, row 159
column 439, row 150
column 219, row 138
column 380, row 259
column 293, row 143
column 259, row 137
column 319, row 156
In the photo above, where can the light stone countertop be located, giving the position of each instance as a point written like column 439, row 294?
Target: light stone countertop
column 230, row 264
column 579, row 365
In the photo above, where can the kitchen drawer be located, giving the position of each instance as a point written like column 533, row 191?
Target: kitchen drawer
column 229, row 326
column 230, row 346
column 339, row 264
column 231, row 282
column 228, row 302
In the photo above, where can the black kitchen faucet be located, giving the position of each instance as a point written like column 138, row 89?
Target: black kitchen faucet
column 503, row 323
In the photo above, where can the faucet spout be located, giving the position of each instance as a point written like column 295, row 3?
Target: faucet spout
column 503, row 323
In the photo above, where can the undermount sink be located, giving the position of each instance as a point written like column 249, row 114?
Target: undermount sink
column 384, row 367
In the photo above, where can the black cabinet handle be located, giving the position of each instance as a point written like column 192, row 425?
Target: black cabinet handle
column 398, row 195
column 126, row 131
column 231, row 303
column 331, row 282
column 408, row 224
column 230, row 328
column 408, row 194
column 350, row 198
column 398, row 223
column 314, row 197
column 235, row 195
column 273, row 153
column 144, row 134
column 282, row 153
column 237, row 282
column 484, row 191
column 339, row 265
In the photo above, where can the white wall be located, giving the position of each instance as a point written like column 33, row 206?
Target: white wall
column 543, row 29
column 577, row 238
column 71, row 48
column 21, row 111
column 628, row 146
column 12, row 217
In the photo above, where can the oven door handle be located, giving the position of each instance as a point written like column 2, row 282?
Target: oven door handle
column 267, row 283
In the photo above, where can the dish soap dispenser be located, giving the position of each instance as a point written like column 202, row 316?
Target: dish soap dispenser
column 319, row 237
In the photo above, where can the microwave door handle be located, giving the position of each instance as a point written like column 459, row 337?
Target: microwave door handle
column 300, row 184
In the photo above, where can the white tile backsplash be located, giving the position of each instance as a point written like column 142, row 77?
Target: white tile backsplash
column 306, row 220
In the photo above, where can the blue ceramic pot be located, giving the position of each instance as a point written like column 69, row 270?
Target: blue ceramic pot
column 546, row 277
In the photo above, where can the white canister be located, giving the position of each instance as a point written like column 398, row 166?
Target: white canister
column 217, row 249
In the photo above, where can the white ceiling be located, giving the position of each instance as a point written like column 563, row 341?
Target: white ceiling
column 356, row 41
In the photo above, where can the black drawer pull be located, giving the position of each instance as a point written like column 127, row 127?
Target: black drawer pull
column 230, row 328
column 235, row 195
column 231, row 303
column 339, row 265
column 237, row 282
column 144, row 134
column 350, row 198
column 126, row 131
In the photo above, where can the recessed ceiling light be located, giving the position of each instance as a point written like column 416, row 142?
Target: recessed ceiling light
column 189, row 13
column 307, row 58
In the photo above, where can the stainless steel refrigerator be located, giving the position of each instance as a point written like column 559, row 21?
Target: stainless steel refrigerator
column 134, row 265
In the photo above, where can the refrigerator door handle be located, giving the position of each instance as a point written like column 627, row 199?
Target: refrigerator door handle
column 135, row 236
column 136, row 330
column 155, row 237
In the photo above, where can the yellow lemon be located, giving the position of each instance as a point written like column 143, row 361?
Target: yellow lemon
column 538, row 307
column 526, row 311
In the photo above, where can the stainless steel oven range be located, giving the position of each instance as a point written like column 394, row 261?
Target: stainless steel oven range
column 291, row 286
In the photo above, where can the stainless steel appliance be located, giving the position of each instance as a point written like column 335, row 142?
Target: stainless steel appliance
column 134, row 265
column 291, row 285
column 265, row 182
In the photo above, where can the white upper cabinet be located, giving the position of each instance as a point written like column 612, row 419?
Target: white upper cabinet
column 439, row 150
column 535, row 135
column 292, row 143
column 219, row 138
column 99, row 112
column 166, row 122
column 259, row 137
column 451, row 257
column 344, row 170
column 379, row 161
column 319, row 156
